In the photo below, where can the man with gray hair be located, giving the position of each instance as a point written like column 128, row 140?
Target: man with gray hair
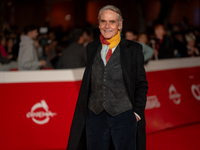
column 110, row 108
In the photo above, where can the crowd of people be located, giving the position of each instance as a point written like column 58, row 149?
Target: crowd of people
column 45, row 48
column 163, row 44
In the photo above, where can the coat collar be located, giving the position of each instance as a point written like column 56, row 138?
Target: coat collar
column 94, row 48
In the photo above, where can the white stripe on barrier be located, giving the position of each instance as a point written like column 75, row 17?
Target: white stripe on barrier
column 77, row 74
column 167, row 64
column 42, row 76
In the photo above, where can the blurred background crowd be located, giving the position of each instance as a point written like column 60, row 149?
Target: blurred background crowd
column 32, row 45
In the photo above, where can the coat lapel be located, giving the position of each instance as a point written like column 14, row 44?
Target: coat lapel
column 113, row 57
column 125, row 54
column 91, row 54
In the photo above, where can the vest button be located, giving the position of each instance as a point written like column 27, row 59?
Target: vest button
column 84, row 96
column 83, row 110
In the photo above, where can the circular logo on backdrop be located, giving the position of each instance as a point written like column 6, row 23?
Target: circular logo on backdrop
column 174, row 95
column 40, row 113
column 196, row 91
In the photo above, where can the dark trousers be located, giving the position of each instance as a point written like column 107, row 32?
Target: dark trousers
column 102, row 128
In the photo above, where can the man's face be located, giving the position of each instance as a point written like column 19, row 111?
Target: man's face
column 159, row 32
column 130, row 36
column 108, row 24
column 33, row 34
column 143, row 38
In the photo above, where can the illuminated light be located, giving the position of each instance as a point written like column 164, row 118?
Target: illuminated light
column 67, row 17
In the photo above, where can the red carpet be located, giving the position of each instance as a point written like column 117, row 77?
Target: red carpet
column 180, row 138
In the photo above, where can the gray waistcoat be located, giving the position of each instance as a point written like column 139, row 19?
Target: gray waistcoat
column 108, row 91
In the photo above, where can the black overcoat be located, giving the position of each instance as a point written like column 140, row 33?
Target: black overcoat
column 132, row 62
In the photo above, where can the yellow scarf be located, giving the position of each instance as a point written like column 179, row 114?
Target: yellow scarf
column 114, row 41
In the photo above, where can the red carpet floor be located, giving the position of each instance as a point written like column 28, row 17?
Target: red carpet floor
column 180, row 138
